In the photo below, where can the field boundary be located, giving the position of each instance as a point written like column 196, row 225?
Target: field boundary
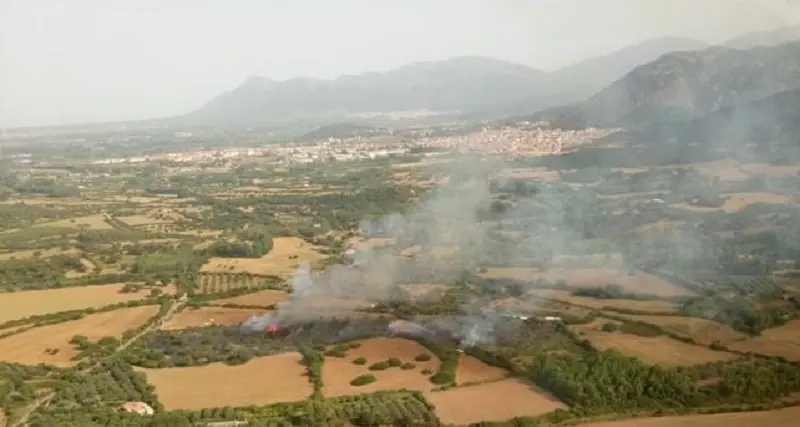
column 41, row 320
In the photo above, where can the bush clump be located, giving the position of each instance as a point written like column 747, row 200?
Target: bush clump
column 360, row 361
column 442, row 378
column 393, row 362
column 423, row 357
column 335, row 353
column 363, row 380
column 407, row 366
column 380, row 366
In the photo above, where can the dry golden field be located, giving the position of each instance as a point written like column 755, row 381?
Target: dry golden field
column 473, row 370
column 338, row 372
column 637, row 283
column 422, row 290
column 786, row 417
column 660, row 226
column 18, row 305
column 596, row 303
column 739, row 201
column 371, row 243
column 263, row 298
column 153, row 217
column 286, row 255
column 207, row 316
column 90, row 222
column 494, row 401
column 702, row 331
column 782, row 341
column 771, row 170
column 725, row 170
column 265, row 380
column 656, row 350
column 606, row 260
column 42, row 253
column 29, row 347
column 540, row 173
column 138, row 220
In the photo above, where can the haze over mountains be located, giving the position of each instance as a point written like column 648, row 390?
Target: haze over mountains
column 664, row 79
column 459, row 84
column 464, row 84
column 682, row 85
column 765, row 38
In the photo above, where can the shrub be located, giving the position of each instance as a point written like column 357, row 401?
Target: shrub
column 363, row 380
column 360, row 361
column 354, row 345
column 426, row 371
column 442, row 378
column 380, row 366
column 335, row 353
column 609, row 327
column 423, row 357
column 393, row 362
column 407, row 366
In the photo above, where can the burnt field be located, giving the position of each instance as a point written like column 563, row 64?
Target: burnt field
column 266, row 335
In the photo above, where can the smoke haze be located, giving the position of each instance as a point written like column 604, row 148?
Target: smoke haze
column 61, row 64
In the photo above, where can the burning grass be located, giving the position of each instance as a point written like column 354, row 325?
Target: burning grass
column 18, row 305
column 641, row 283
column 207, row 316
column 29, row 347
column 286, row 255
column 786, row 417
column 337, row 372
column 783, row 341
column 495, row 401
column 265, row 380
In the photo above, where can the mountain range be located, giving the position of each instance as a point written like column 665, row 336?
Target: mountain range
column 661, row 80
column 458, row 85
column 683, row 85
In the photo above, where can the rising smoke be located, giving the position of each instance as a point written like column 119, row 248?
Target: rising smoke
column 459, row 228
column 450, row 237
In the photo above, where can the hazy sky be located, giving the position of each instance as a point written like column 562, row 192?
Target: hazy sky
column 66, row 61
